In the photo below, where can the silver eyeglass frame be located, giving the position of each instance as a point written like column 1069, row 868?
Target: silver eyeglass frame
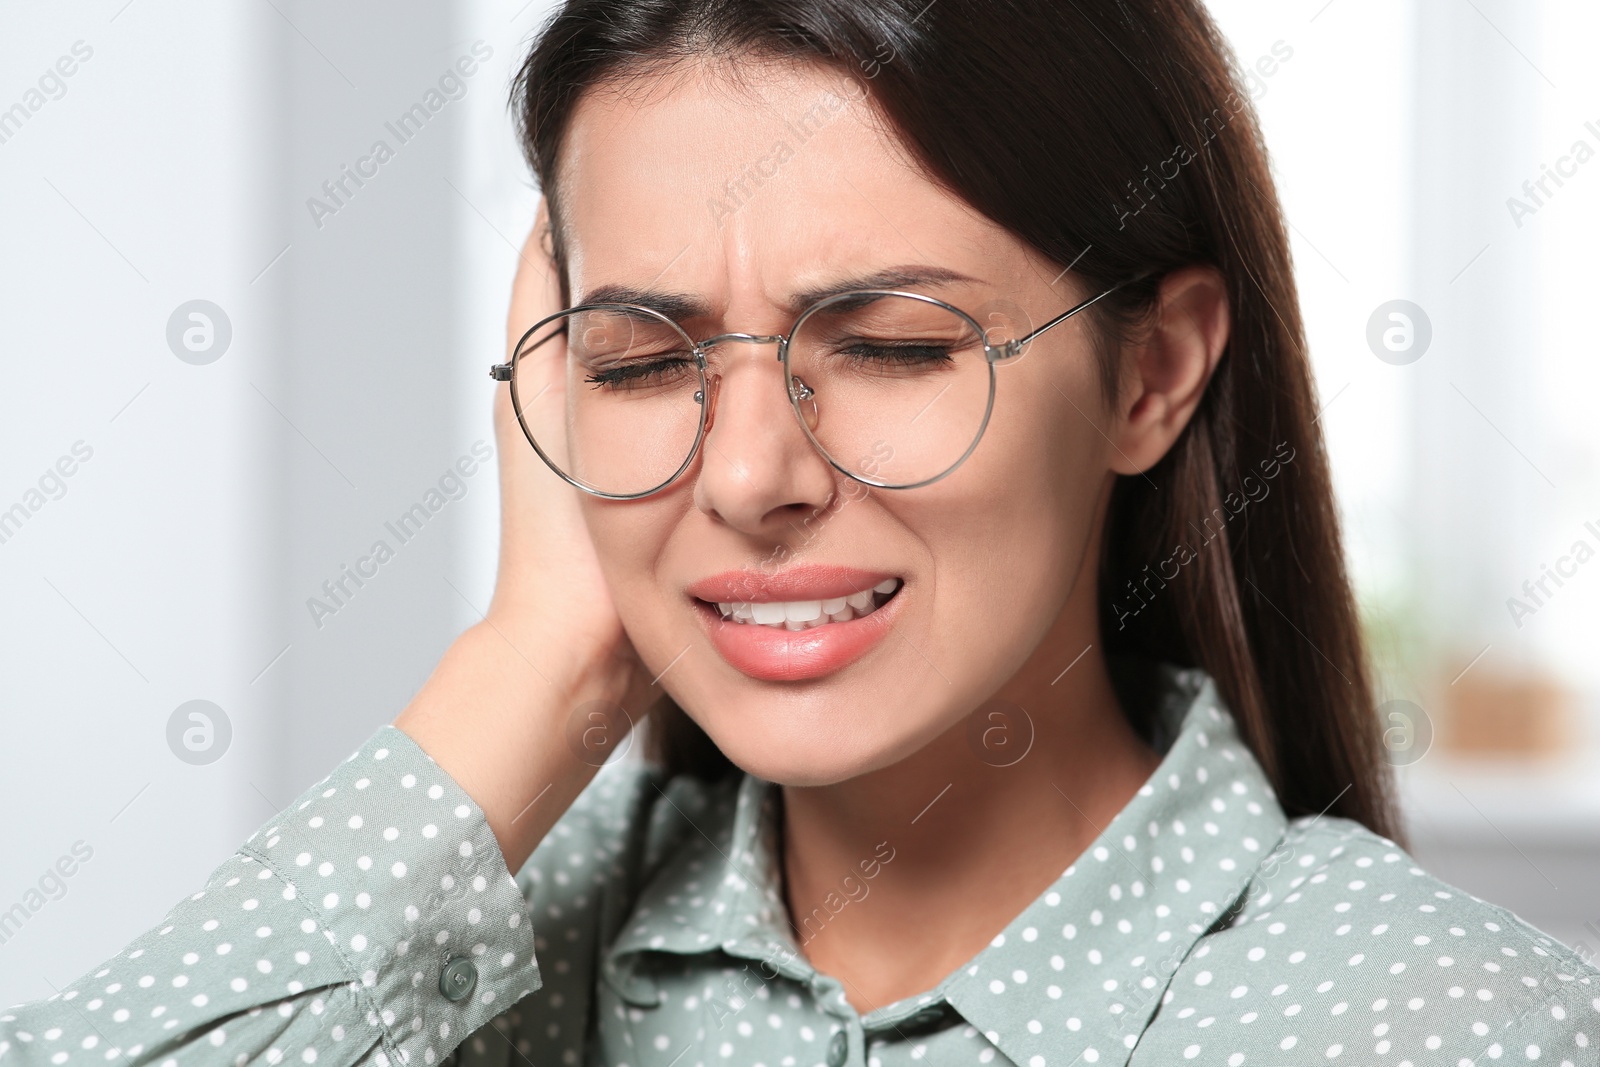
column 795, row 388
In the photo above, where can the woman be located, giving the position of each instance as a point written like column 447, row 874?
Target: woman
column 936, row 453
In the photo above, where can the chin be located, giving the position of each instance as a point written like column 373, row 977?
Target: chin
column 820, row 674
column 800, row 762
column 819, row 738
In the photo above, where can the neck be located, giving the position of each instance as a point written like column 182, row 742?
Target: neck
column 898, row 877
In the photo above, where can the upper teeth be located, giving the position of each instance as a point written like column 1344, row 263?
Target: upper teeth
column 804, row 614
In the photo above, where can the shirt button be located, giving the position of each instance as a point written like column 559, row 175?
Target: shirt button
column 838, row 1049
column 458, row 978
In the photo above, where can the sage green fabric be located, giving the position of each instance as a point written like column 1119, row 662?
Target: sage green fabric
column 374, row 922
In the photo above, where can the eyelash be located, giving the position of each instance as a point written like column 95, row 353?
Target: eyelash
column 625, row 377
column 905, row 354
column 902, row 353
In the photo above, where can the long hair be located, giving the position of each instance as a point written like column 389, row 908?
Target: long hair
column 1114, row 137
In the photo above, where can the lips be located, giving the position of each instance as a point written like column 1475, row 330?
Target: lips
column 811, row 581
column 772, row 627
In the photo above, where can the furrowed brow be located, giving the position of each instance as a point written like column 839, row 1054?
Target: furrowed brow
column 681, row 307
column 676, row 306
column 900, row 277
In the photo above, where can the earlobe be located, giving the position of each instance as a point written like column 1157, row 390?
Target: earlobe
column 1169, row 368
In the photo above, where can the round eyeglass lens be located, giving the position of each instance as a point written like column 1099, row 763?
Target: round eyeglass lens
column 894, row 389
column 611, row 397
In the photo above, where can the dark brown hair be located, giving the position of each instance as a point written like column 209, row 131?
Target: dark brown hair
column 1112, row 136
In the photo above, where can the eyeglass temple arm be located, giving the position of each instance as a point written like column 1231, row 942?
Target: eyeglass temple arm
column 501, row 372
column 1067, row 314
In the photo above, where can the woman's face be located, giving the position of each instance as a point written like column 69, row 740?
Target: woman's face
column 680, row 190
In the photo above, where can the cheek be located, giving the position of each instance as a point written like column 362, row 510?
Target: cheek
column 1008, row 532
column 630, row 539
column 1040, row 466
column 1053, row 440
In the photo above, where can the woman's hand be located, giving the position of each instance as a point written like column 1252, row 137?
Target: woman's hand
column 511, row 710
column 547, row 563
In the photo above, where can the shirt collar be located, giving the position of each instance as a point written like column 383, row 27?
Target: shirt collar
column 1098, row 947
column 719, row 890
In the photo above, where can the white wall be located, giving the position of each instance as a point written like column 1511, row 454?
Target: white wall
column 143, row 586
column 176, row 166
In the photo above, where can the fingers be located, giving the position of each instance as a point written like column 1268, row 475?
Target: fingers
column 535, row 294
column 536, row 289
column 538, row 518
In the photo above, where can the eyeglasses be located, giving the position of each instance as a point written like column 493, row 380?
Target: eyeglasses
column 893, row 388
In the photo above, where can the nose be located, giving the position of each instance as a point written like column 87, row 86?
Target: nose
column 759, row 473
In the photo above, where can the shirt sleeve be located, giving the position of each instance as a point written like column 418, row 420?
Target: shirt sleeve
column 371, row 922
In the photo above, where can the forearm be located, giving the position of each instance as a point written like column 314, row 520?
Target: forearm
column 372, row 916
column 346, row 910
column 504, row 712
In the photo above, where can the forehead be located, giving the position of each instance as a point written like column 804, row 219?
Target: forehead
column 779, row 177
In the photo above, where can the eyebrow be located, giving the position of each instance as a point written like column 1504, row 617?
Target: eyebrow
column 681, row 306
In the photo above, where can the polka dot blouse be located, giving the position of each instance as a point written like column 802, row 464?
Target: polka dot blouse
column 374, row 922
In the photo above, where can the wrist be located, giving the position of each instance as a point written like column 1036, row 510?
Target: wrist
column 559, row 655
column 498, row 715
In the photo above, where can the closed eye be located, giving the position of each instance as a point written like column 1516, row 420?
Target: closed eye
column 639, row 374
column 898, row 353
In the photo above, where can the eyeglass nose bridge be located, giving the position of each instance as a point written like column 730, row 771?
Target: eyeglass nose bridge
column 781, row 340
column 800, row 393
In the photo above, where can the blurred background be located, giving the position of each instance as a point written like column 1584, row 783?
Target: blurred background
column 239, row 343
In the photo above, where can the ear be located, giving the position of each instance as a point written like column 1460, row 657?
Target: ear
column 1165, row 374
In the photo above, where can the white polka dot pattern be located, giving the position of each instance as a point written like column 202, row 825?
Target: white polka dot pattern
column 1202, row 926
column 1349, row 952
column 322, row 941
